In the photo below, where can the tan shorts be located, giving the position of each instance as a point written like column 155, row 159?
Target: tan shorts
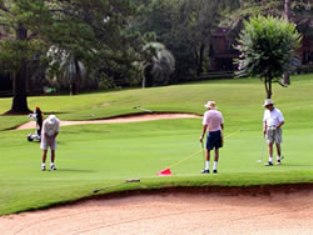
column 48, row 142
column 274, row 136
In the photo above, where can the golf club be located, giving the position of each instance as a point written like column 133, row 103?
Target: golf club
column 261, row 159
column 203, row 152
column 134, row 180
column 143, row 109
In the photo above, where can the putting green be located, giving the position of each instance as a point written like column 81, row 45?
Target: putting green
column 103, row 156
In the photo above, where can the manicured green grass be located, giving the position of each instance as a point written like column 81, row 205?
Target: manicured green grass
column 104, row 156
column 239, row 97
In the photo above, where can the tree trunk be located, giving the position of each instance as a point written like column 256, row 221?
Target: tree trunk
column 287, row 9
column 78, row 78
column 19, row 104
column 268, row 88
column 200, row 59
column 286, row 78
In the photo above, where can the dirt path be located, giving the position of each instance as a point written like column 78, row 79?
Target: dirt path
column 172, row 214
column 126, row 119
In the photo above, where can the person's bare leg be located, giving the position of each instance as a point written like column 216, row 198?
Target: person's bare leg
column 43, row 160
column 270, row 152
column 52, row 165
column 44, row 156
column 52, row 156
column 207, row 155
column 278, row 148
column 216, row 157
column 207, row 162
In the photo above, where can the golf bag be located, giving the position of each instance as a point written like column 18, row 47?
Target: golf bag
column 37, row 135
column 33, row 137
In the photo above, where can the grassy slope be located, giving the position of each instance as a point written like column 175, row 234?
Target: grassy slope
column 94, row 156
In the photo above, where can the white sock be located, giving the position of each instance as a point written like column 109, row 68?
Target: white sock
column 278, row 158
column 207, row 165
column 270, row 159
column 43, row 164
column 215, row 165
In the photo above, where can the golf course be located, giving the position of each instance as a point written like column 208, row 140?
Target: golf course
column 100, row 159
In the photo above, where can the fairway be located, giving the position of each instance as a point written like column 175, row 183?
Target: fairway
column 103, row 156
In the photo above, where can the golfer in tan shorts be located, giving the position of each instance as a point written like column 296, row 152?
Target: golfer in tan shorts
column 273, row 120
column 50, row 130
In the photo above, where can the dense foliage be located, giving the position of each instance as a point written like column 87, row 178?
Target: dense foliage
column 185, row 27
column 78, row 45
column 90, row 32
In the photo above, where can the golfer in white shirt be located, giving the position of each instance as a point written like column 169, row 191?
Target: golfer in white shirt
column 273, row 120
column 50, row 130
column 213, row 125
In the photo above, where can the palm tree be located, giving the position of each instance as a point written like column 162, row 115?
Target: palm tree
column 158, row 66
column 70, row 70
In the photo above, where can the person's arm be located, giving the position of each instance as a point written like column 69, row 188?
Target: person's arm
column 222, row 133
column 281, row 120
column 264, row 123
column 57, row 129
column 43, row 130
column 264, row 128
column 203, row 133
column 281, row 124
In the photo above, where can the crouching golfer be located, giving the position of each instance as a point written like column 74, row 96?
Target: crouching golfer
column 50, row 130
column 213, row 124
column 273, row 120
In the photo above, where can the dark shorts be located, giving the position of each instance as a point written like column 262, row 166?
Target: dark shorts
column 214, row 140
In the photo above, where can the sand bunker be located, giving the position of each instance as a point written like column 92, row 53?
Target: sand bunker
column 172, row 214
column 124, row 119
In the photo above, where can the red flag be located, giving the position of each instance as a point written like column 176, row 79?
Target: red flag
column 165, row 172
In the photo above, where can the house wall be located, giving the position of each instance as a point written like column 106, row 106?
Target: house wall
column 223, row 53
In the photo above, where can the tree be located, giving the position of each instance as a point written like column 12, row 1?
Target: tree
column 96, row 34
column 159, row 64
column 18, row 47
column 185, row 27
column 298, row 12
column 93, row 32
column 266, row 45
column 69, row 69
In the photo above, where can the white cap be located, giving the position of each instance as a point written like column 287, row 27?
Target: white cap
column 52, row 119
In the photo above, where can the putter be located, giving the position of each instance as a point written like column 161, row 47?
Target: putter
column 133, row 180
column 203, row 153
column 143, row 109
column 261, row 159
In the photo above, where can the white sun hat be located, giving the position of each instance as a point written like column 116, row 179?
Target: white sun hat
column 268, row 102
column 210, row 104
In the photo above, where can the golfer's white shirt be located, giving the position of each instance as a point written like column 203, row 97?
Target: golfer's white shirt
column 273, row 118
column 214, row 119
column 50, row 129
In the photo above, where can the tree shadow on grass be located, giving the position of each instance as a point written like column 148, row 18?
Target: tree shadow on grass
column 74, row 170
column 297, row 165
column 10, row 113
